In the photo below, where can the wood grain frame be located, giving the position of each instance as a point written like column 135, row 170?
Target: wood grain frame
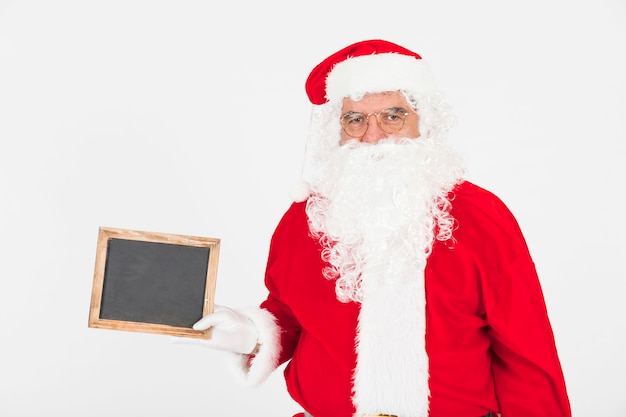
column 104, row 236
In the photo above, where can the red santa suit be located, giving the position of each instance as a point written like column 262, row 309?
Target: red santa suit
column 488, row 338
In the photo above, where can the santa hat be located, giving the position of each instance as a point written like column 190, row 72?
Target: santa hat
column 370, row 66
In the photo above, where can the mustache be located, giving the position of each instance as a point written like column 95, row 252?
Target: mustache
column 389, row 140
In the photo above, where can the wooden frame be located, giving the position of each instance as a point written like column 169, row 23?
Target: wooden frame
column 116, row 244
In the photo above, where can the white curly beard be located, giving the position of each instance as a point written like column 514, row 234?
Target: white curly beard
column 377, row 209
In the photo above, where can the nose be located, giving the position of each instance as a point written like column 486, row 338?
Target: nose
column 373, row 133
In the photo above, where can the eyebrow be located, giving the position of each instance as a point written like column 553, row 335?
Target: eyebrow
column 351, row 113
column 396, row 109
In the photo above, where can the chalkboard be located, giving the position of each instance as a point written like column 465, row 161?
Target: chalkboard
column 153, row 282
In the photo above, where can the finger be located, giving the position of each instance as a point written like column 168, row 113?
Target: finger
column 207, row 321
column 220, row 316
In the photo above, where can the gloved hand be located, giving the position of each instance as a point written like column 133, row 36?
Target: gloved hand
column 230, row 331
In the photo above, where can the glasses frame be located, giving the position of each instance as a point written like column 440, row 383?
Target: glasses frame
column 400, row 112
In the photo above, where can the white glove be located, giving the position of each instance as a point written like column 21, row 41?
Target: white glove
column 230, row 331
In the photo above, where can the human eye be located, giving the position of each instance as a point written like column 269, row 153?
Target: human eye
column 352, row 118
column 394, row 115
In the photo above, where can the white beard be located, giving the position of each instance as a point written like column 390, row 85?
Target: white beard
column 377, row 209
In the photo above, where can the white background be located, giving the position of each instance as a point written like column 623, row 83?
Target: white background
column 189, row 117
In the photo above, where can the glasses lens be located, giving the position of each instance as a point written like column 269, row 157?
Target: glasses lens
column 391, row 120
column 354, row 124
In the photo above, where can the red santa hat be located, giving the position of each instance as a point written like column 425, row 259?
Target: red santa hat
column 371, row 66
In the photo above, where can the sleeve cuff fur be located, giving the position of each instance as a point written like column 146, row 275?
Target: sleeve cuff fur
column 253, row 370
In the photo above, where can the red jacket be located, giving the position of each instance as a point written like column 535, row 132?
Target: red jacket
column 488, row 338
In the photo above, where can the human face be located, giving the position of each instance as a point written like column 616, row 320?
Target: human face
column 374, row 103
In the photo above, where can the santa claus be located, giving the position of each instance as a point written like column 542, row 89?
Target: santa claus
column 395, row 287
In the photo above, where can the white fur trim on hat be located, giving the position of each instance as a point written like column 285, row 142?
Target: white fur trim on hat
column 300, row 191
column 377, row 73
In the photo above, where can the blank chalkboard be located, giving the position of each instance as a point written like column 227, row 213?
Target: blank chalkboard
column 153, row 282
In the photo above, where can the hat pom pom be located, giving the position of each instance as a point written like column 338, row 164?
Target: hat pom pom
column 300, row 191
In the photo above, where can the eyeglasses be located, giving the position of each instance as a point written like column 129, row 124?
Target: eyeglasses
column 390, row 121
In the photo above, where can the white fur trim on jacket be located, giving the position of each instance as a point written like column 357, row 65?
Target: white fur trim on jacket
column 253, row 370
column 391, row 375
column 377, row 73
